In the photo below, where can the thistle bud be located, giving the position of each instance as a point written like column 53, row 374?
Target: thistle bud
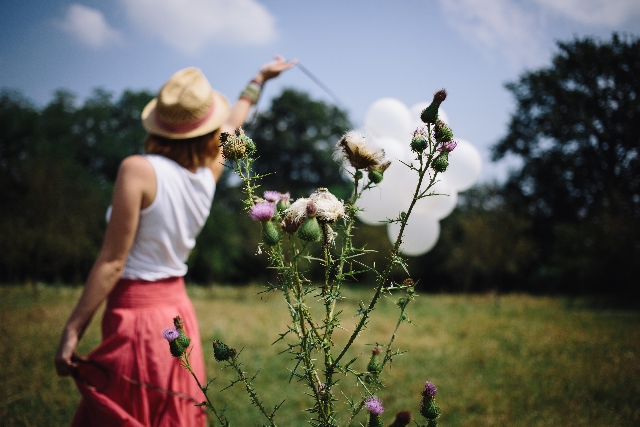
column 375, row 176
column 270, row 233
column 442, row 132
column 429, row 409
column 178, row 340
column 284, row 202
column 375, row 367
column 419, row 141
column 222, row 352
column 310, row 230
column 376, row 173
column 441, row 163
column 430, row 114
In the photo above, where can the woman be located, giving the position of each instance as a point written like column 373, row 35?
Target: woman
column 160, row 203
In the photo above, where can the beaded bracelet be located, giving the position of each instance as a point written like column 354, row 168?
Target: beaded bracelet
column 252, row 92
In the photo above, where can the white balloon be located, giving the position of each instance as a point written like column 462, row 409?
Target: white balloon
column 389, row 117
column 390, row 197
column 442, row 203
column 393, row 149
column 464, row 166
column 420, row 234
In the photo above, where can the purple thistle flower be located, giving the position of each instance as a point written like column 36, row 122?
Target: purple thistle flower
column 430, row 390
column 272, row 196
column 286, row 197
column 171, row 334
column 420, row 131
column 262, row 211
column 374, row 405
column 448, row 146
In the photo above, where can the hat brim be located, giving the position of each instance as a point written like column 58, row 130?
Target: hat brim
column 221, row 111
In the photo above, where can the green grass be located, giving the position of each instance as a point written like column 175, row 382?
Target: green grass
column 513, row 361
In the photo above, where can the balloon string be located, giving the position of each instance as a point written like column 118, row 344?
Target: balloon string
column 319, row 83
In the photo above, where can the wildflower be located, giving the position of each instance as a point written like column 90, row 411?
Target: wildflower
column 171, row 334
column 373, row 405
column 428, row 407
column 354, row 148
column 430, row 390
column 430, row 114
column 262, row 211
column 419, row 140
column 178, row 340
column 448, row 146
column 403, row 419
column 330, row 209
column 272, row 196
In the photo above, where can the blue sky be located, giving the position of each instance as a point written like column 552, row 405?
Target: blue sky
column 362, row 50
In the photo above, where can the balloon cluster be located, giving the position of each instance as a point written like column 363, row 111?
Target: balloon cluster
column 390, row 126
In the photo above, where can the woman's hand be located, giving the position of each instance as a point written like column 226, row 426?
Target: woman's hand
column 63, row 360
column 274, row 68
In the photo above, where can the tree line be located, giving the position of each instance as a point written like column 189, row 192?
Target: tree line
column 565, row 222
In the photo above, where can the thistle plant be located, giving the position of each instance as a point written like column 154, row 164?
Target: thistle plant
column 319, row 228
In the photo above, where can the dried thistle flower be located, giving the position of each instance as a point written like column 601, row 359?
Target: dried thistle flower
column 329, row 208
column 354, row 148
column 290, row 224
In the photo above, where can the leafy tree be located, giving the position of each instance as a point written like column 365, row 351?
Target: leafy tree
column 577, row 129
column 295, row 139
column 57, row 168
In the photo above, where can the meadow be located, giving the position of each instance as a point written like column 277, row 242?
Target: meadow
column 512, row 360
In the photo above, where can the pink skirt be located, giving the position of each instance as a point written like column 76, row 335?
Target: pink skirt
column 131, row 379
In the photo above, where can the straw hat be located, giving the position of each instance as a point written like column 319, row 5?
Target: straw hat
column 186, row 107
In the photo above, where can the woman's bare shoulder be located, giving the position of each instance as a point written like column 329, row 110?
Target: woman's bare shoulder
column 137, row 166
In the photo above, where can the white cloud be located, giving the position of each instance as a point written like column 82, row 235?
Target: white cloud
column 188, row 25
column 497, row 25
column 605, row 13
column 89, row 26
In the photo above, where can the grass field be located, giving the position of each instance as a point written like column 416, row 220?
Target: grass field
column 511, row 361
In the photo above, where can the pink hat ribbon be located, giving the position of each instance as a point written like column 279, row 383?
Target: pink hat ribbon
column 183, row 127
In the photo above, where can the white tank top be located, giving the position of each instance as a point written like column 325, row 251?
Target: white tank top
column 169, row 226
